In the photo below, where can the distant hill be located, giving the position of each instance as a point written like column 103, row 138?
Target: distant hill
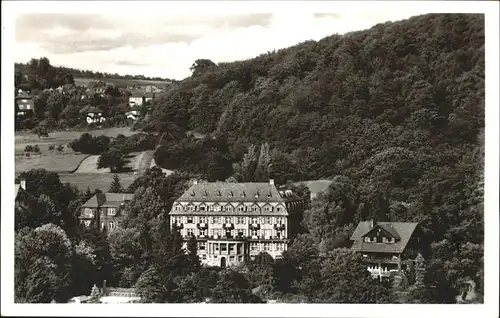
column 417, row 84
column 82, row 77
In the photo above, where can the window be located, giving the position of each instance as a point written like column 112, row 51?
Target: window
column 111, row 225
column 280, row 246
column 203, row 232
column 190, row 208
column 189, row 219
column 384, row 240
column 204, row 256
column 279, row 209
column 212, row 220
column 255, row 220
column 219, row 219
column 280, row 221
column 254, row 246
column 268, row 220
column 202, row 219
column 89, row 213
column 202, row 246
column 255, row 208
column 228, row 220
column 367, row 239
column 241, row 208
column 202, row 208
column 267, row 246
column 111, row 211
column 223, row 247
column 243, row 220
column 254, row 232
column 242, row 232
column 267, row 209
column 189, row 232
column 240, row 258
column 393, row 240
column 228, row 208
column 177, row 208
column 231, row 258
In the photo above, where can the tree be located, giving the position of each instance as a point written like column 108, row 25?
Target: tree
column 232, row 287
column 112, row 159
column 192, row 248
column 41, row 130
column 116, row 186
column 200, row 66
column 42, row 264
column 345, row 279
column 419, row 271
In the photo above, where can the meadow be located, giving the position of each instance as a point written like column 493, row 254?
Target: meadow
column 79, row 81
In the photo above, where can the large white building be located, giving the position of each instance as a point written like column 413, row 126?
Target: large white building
column 233, row 222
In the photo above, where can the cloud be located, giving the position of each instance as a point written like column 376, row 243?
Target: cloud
column 328, row 15
column 165, row 43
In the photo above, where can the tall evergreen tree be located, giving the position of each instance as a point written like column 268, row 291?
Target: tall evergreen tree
column 192, row 249
column 116, row 186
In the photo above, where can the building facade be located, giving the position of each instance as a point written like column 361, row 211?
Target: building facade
column 24, row 103
column 382, row 244
column 105, row 210
column 233, row 222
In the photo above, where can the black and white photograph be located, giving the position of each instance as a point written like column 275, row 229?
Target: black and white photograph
column 211, row 154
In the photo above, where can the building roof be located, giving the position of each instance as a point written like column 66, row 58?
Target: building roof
column 16, row 189
column 90, row 109
column 231, row 192
column 403, row 230
column 136, row 95
column 105, row 200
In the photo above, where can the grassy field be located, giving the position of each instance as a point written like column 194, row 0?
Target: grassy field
column 67, row 162
column 22, row 139
column 316, row 186
column 99, row 181
column 85, row 81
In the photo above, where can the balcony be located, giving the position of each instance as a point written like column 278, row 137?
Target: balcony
column 255, row 226
column 202, row 225
column 228, row 226
column 279, row 227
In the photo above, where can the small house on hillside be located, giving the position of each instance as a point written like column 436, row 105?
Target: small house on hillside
column 138, row 98
column 105, row 210
column 93, row 115
column 382, row 244
column 24, row 103
column 97, row 88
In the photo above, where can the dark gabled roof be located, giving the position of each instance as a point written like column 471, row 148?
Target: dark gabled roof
column 403, row 230
column 104, row 200
column 231, row 192
column 136, row 94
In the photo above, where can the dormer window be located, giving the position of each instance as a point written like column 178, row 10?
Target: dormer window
column 392, row 240
column 257, row 194
column 230, row 194
column 242, row 194
column 384, row 240
column 367, row 239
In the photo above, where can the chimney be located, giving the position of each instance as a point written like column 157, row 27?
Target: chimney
column 271, row 181
column 22, row 183
column 371, row 224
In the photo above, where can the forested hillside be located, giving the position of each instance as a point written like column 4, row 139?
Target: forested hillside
column 393, row 114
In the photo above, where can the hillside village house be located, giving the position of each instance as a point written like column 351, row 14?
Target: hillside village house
column 93, row 115
column 97, row 88
column 25, row 103
column 138, row 98
column 235, row 221
column 105, row 210
column 383, row 243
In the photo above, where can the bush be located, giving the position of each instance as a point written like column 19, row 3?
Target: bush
column 28, row 148
column 36, row 149
column 60, row 148
column 90, row 145
column 51, row 147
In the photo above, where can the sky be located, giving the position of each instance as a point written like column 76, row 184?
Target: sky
column 163, row 39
